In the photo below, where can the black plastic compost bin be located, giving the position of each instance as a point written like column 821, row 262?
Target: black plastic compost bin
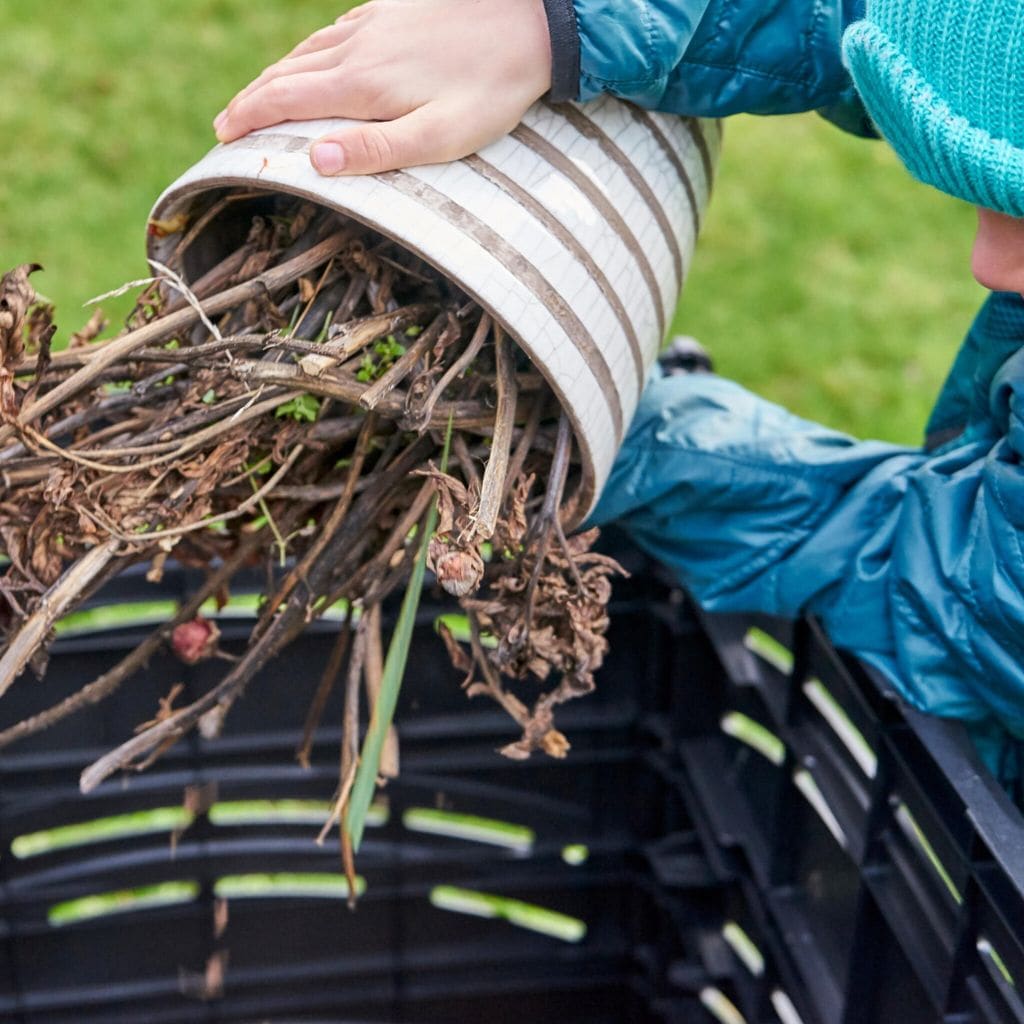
column 748, row 828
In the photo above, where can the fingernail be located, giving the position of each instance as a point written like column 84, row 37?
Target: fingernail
column 220, row 119
column 328, row 157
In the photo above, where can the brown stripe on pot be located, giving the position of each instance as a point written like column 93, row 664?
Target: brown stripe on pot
column 587, row 128
column 517, row 264
column 284, row 143
column 587, row 487
column 513, row 261
column 643, row 118
column 696, row 128
column 559, row 231
column 561, row 163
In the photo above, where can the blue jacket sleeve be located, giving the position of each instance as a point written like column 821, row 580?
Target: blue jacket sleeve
column 730, row 490
column 703, row 57
column 963, row 403
column 626, row 48
column 913, row 560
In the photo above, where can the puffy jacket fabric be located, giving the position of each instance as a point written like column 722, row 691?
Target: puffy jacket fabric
column 707, row 57
column 911, row 557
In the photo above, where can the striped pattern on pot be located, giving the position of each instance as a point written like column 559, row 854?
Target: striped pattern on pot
column 576, row 231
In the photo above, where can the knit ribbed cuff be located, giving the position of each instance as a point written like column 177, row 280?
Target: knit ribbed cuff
column 565, row 50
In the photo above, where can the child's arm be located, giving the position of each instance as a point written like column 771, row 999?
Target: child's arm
column 439, row 79
column 434, row 79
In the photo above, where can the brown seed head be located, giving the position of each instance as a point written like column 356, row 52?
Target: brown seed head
column 459, row 571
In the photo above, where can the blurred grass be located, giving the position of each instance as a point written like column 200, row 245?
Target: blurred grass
column 826, row 279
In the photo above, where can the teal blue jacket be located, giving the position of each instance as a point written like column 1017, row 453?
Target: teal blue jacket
column 707, row 58
column 912, row 557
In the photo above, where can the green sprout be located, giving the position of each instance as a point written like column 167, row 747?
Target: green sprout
column 302, row 408
column 387, row 352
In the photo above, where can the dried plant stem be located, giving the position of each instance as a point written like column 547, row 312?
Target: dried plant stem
column 559, row 472
column 404, row 365
column 99, row 358
column 100, row 410
column 282, row 629
column 357, row 335
column 526, row 441
column 373, row 671
column 491, row 684
column 422, row 416
column 349, row 729
column 470, row 415
column 252, row 398
column 196, row 440
column 350, row 723
column 106, row 684
column 199, row 353
column 323, row 692
column 376, row 567
column 59, row 598
column 213, row 281
column 259, row 495
column 540, row 537
column 492, row 490
column 334, row 520
column 465, row 460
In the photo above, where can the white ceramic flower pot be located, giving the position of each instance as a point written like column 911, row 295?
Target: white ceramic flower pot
column 576, row 231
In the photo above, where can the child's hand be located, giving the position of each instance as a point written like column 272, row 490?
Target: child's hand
column 436, row 79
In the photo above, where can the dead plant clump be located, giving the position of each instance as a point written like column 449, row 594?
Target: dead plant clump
column 310, row 402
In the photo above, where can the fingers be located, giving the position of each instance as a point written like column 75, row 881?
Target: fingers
column 329, row 37
column 304, row 96
column 379, row 63
column 319, row 52
column 417, row 138
column 319, row 60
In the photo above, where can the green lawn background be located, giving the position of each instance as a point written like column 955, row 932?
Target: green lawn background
column 826, row 279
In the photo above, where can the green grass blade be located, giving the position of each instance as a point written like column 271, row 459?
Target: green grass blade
column 391, row 682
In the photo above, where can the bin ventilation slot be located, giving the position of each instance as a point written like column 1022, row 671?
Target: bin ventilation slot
column 575, row 854
column 132, row 614
column 768, row 649
column 458, row 626
column 516, row 912
column 284, row 812
column 269, row 812
column 804, row 781
column 784, row 1007
column 744, row 947
column 144, row 897
column 720, row 1006
column 469, row 826
column 116, row 616
column 910, row 828
column 100, row 830
column 852, row 738
column 285, row 884
column 990, row 956
column 745, row 729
